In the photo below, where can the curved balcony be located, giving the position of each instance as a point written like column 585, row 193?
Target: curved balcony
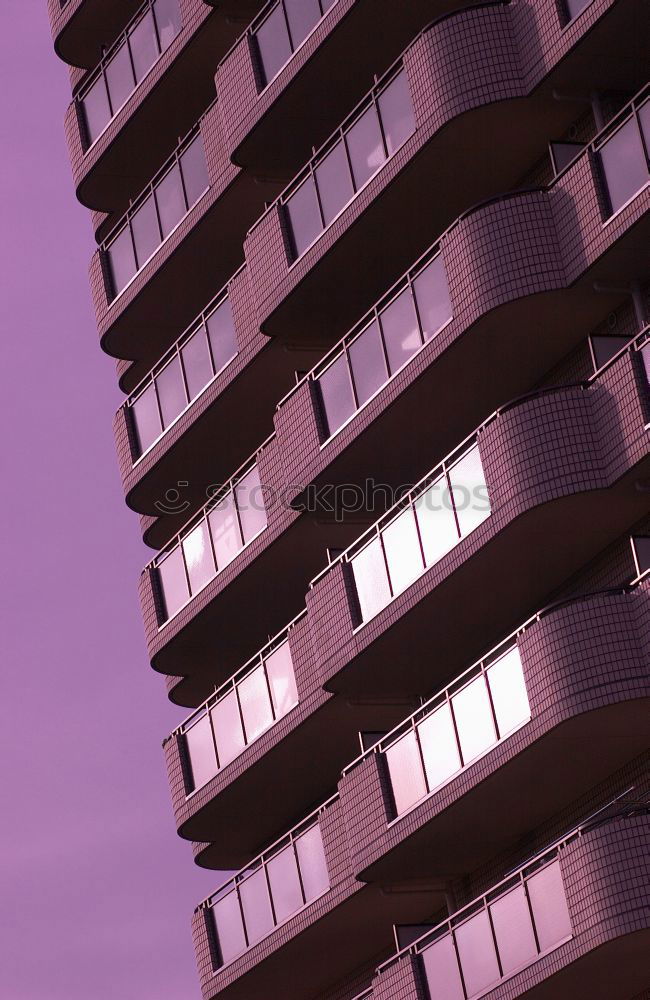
column 204, row 585
column 80, row 28
column 270, row 81
column 452, row 315
column 269, row 735
column 145, row 90
column 169, row 254
column 529, row 715
column 572, row 922
column 558, row 457
column 404, row 140
column 295, row 920
column 188, row 404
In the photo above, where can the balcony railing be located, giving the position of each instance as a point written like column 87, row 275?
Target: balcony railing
column 201, row 353
column 371, row 135
column 280, row 29
column 126, row 64
column 274, row 887
column 572, row 8
column 261, row 693
column 623, row 152
column 510, row 927
column 156, row 213
column 227, row 524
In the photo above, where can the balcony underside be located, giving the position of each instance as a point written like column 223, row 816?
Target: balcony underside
column 93, row 25
column 507, row 138
column 537, row 783
column 302, row 768
column 490, row 593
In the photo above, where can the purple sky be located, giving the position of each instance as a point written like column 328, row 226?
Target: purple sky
column 97, row 889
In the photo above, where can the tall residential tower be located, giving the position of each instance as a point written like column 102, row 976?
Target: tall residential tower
column 376, row 274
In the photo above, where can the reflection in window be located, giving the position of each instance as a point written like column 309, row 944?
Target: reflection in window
column 156, row 215
column 221, row 530
column 472, row 953
column 195, row 361
column 150, row 33
column 240, row 711
column 624, row 158
column 283, row 29
column 463, row 723
column 346, row 166
column 248, row 907
column 372, row 356
column 445, row 512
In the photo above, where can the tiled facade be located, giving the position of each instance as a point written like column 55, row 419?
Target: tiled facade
column 418, row 673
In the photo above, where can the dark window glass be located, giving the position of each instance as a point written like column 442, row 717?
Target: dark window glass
column 313, row 867
column 170, row 199
column 406, row 775
column 97, row 111
column 273, row 43
column 171, row 391
column 258, row 917
column 441, row 969
column 196, row 362
column 368, row 364
column 563, row 152
column 168, row 21
column 396, row 110
column 228, row 732
column 173, row 581
column 255, row 703
column 144, row 47
column 304, row 216
column 285, row 883
column 336, row 394
column 279, row 669
column 402, row 550
column 146, row 234
column 371, row 579
column 195, row 170
column 478, row 958
column 513, row 930
column 302, row 15
column 432, row 297
column 575, row 7
column 229, row 927
column 400, row 328
column 146, row 418
column 334, row 182
column 199, row 560
column 439, row 747
column 122, row 259
column 250, row 504
column 119, row 77
column 624, row 164
column 365, row 146
column 200, row 748
column 221, row 331
column 548, row 902
column 225, row 531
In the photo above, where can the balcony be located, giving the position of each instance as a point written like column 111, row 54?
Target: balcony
column 295, row 921
column 572, row 678
column 271, row 719
column 573, row 922
column 81, row 27
column 144, row 91
column 573, row 454
column 453, row 315
column 365, row 181
column 271, row 79
column 196, row 592
column 198, row 391
column 167, row 257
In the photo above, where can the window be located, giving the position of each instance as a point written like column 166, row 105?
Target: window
column 229, row 927
column 436, row 521
column 146, row 416
column 197, row 551
column 371, row 580
column 285, row 883
column 343, row 168
column 513, row 930
column 549, row 906
column 439, row 747
column 473, row 716
column 405, row 770
column 224, row 526
column 256, row 904
column 575, row 7
column 157, row 213
column 508, row 690
column 313, row 867
column 284, row 30
column 371, row 357
column 477, row 953
column 442, row 971
column 200, row 748
column 624, row 160
column 255, row 703
column 171, row 391
column 282, row 680
column 197, row 365
column 228, row 731
column 250, row 505
column 173, row 581
column 402, row 548
column 221, row 333
column 128, row 62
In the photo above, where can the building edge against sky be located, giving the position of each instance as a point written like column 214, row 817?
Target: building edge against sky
column 377, row 285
